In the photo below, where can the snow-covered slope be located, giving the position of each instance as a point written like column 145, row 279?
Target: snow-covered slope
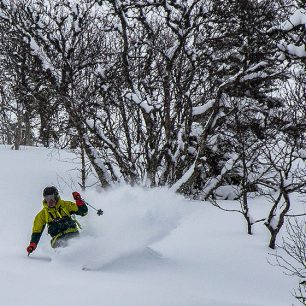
column 151, row 247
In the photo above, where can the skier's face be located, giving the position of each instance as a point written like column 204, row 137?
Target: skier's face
column 50, row 199
column 51, row 203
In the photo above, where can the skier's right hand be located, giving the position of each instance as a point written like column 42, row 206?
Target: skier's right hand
column 32, row 246
column 78, row 199
column 76, row 195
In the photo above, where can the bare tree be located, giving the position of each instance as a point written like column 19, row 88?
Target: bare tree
column 242, row 176
column 286, row 176
column 291, row 255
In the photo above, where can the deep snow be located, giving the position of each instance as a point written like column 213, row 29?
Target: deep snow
column 151, row 247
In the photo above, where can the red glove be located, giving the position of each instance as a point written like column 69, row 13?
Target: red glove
column 76, row 195
column 32, row 246
column 78, row 199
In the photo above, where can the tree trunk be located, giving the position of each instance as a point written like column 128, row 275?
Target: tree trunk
column 27, row 139
column 18, row 132
column 83, row 169
column 274, row 230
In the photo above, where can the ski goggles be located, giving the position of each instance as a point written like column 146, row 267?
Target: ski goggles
column 49, row 197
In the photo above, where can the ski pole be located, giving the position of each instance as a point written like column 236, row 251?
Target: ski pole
column 99, row 211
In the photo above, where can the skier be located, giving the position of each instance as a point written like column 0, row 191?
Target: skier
column 56, row 214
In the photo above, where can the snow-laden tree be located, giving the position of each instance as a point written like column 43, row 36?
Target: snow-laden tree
column 151, row 89
column 16, row 113
column 245, row 58
column 293, row 42
column 59, row 38
column 25, row 90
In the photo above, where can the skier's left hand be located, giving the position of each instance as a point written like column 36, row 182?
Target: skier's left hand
column 31, row 247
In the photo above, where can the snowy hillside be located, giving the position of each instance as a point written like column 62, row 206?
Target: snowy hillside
column 151, row 247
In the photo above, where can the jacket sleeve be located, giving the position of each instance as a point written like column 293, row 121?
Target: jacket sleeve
column 73, row 208
column 38, row 227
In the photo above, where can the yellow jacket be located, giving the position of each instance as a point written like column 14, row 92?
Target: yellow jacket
column 62, row 209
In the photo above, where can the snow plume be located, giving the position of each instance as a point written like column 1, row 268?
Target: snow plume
column 134, row 218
